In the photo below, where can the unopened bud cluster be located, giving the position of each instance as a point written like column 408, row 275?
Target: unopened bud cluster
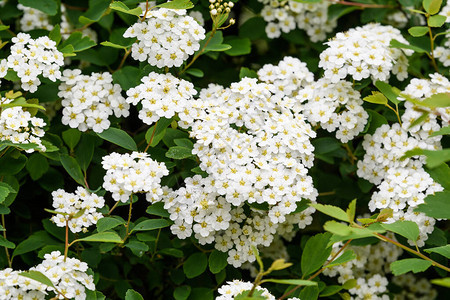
column 218, row 7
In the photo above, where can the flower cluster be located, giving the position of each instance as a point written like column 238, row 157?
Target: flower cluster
column 420, row 89
column 256, row 151
column 30, row 58
column 364, row 52
column 414, row 288
column 19, row 127
column 88, row 101
column 166, row 39
column 285, row 16
column 219, row 6
column 78, row 210
column 198, row 208
column 286, row 79
column 402, row 184
column 334, row 106
column 442, row 53
column 369, row 268
column 127, row 174
column 68, row 276
column 13, row 286
column 36, row 19
column 233, row 288
column 161, row 95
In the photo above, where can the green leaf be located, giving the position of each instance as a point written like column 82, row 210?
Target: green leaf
column 246, row 72
column 37, row 240
column 443, row 250
column 177, row 4
column 157, row 209
column 138, row 248
column 377, row 98
column 112, row 45
column 436, row 206
column 85, row 150
column 441, row 174
column 71, row 137
column 351, row 210
column 38, row 276
column 396, row 44
column 434, row 157
column 436, row 21
column 333, row 211
column 414, row 265
column 186, row 143
column 195, row 265
column 119, row 6
column 151, row 224
column 218, row 47
column 253, row 28
column 133, row 295
column 375, row 121
column 4, row 27
column 195, row 72
column 442, row 282
column 442, row 131
column 390, row 92
column 78, row 42
column 127, row 77
column 97, row 8
column 407, row 229
column 337, row 228
column 215, row 43
column 419, row 120
column 239, row 46
column 418, row 30
column 217, row 261
column 118, row 137
column 107, row 223
column 292, row 281
column 171, row 252
column 10, row 165
column 330, row 290
column 4, row 192
column 5, row 243
column 72, row 167
column 316, row 253
column 347, row 256
column 436, row 100
column 179, row 152
column 37, row 165
column 55, row 34
column 182, row 292
column 49, row 7
column 432, row 6
column 104, row 237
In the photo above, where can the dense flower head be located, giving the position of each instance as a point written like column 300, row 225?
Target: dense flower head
column 335, row 107
column 20, row 127
column 286, row 78
column 412, row 287
column 402, row 183
column 13, row 286
column 285, row 16
column 127, row 174
column 68, row 275
column 89, row 100
column 161, row 95
column 35, row 19
column 420, row 89
column 369, row 268
column 79, row 209
column 166, row 38
column 198, row 209
column 233, row 288
column 30, row 58
column 364, row 52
